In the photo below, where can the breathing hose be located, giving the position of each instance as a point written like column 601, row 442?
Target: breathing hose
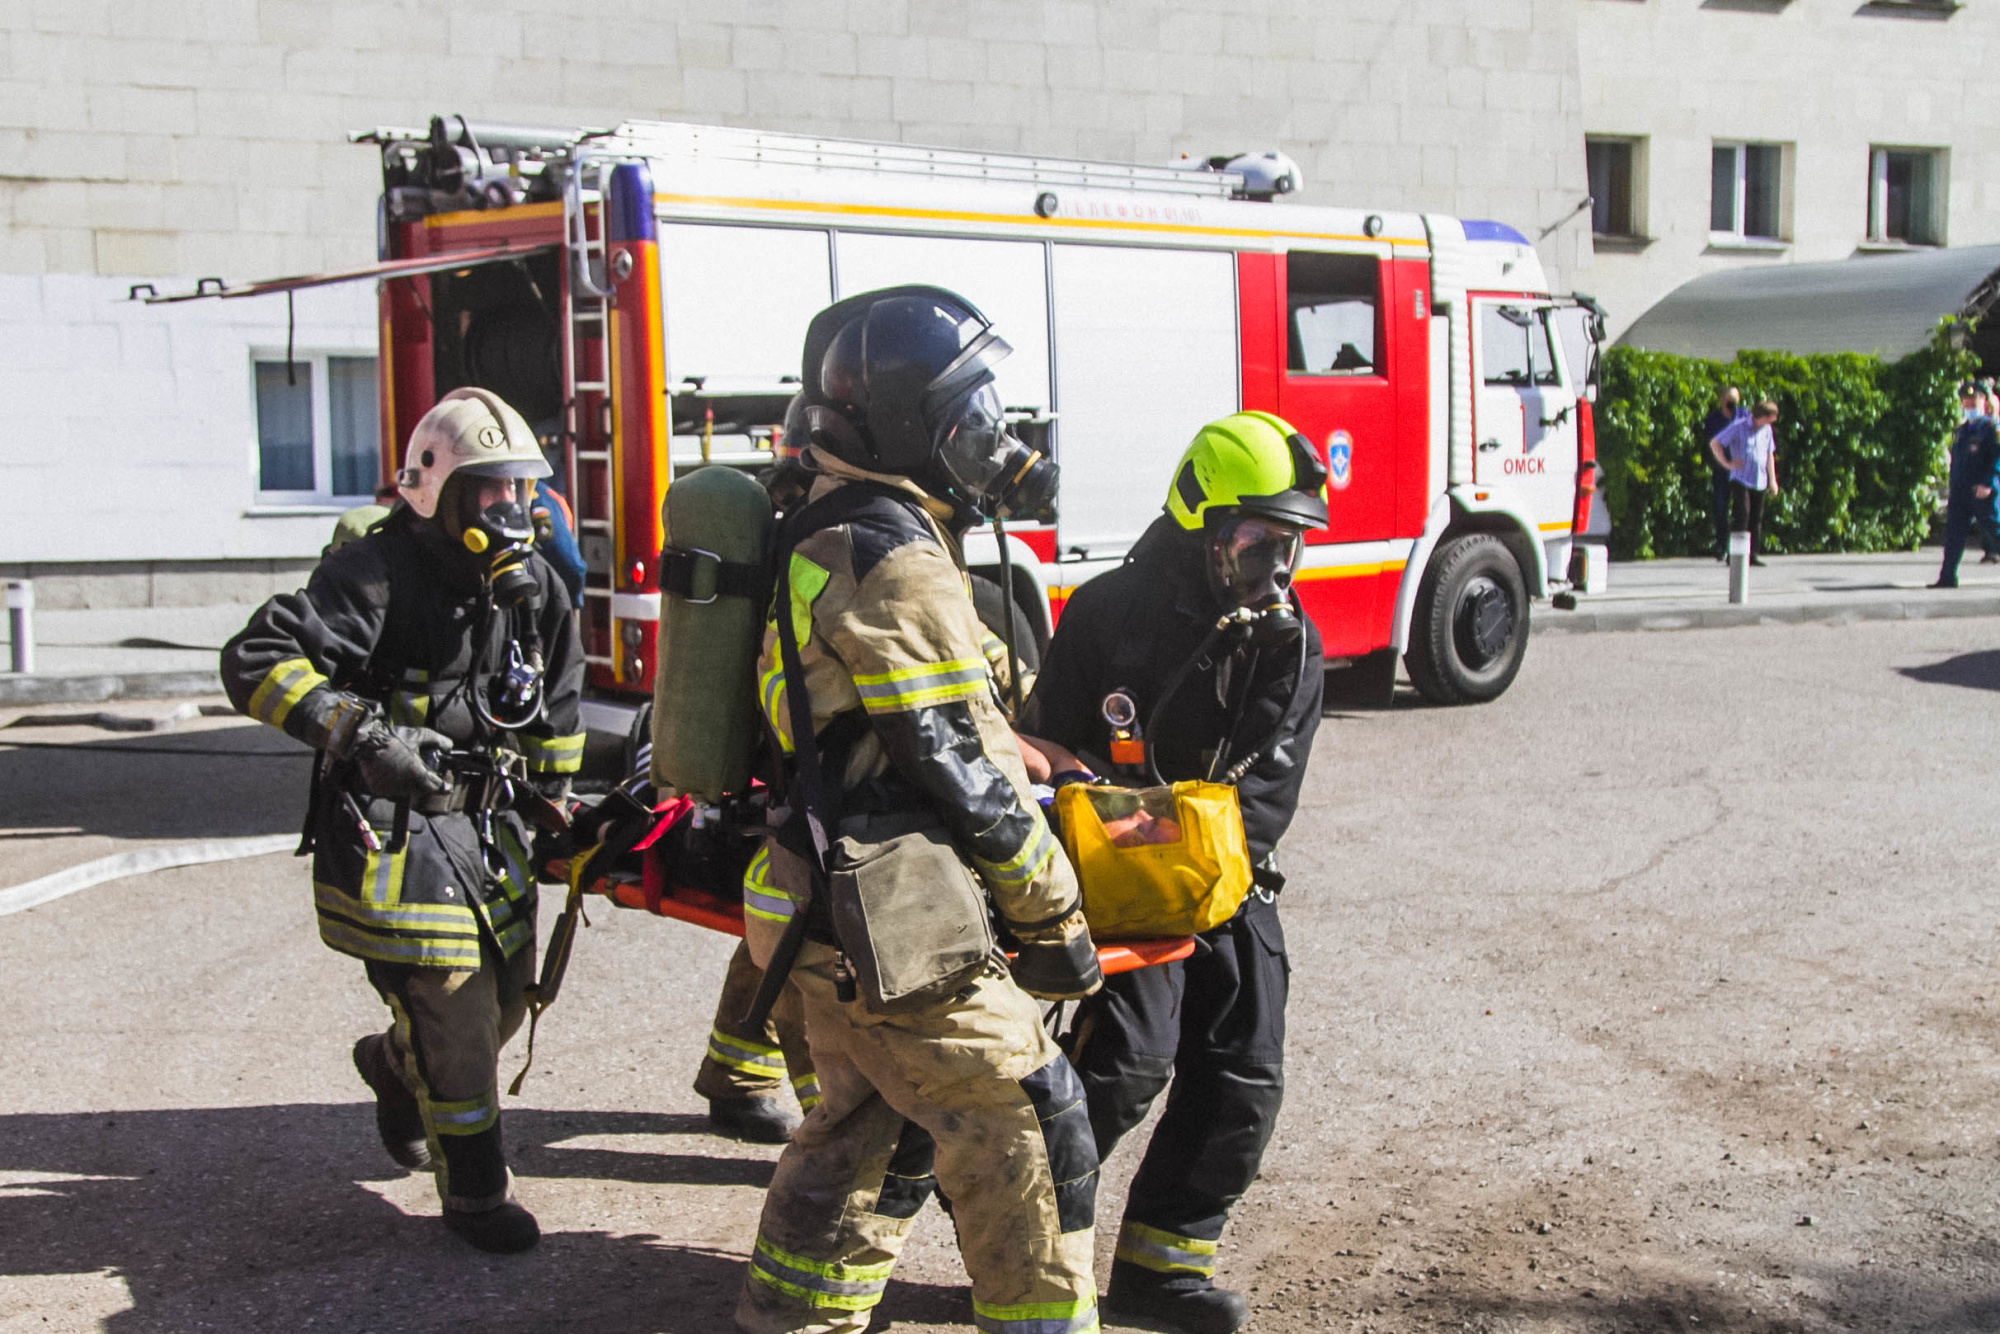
column 1239, row 622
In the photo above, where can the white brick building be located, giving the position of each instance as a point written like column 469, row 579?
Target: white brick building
column 167, row 140
column 1842, row 128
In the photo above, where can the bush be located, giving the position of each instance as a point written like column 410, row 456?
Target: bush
column 1861, row 441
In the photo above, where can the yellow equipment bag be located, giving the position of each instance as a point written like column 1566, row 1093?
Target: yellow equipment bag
column 1157, row 861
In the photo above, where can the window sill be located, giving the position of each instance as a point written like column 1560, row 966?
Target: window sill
column 1873, row 247
column 1912, row 9
column 1619, row 245
column 334, row 507
column 1747, row 244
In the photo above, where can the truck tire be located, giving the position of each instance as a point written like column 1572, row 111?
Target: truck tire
column 1470, row 627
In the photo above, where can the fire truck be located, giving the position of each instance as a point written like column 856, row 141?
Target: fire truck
column 641, row 294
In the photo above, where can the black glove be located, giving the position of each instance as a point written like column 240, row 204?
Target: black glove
column 391, row 761
column 1057, row 962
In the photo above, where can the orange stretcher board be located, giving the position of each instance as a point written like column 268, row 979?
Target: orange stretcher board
column 700, row 908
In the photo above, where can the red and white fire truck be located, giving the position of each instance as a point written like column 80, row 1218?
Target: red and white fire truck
column 642, row 294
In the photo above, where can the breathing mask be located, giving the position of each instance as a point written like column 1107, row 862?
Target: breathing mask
column 1250, row 564
column 988, row 466
column 500, row 531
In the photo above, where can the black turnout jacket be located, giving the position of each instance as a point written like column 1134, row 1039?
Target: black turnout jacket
column 1131, row 629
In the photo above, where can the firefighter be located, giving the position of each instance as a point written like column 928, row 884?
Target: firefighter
column 1210, row 1030
column 434, row 663
column 742, row 1072
column 962, row 1091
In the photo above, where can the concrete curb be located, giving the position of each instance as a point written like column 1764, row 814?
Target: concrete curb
column 90, row 688
column 1904, row 607
column 49, row 888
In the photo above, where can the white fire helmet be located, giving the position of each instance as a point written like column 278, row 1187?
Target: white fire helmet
column 472, row 431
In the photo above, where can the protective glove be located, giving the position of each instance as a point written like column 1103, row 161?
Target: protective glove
column 391, row 761
column 1057, row 961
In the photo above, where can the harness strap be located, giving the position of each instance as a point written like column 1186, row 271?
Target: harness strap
column 700, row 577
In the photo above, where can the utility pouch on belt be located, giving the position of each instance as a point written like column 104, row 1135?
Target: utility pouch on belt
column 1156, row 861
column 910, row 914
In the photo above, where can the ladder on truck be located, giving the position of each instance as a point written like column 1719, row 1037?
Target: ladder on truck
column 593, row 472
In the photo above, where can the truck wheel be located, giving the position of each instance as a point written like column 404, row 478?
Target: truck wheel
column 1470, row 630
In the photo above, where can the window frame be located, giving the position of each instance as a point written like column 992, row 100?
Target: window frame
column 1373, row 298
column 1635, row 146
column 1739, row 236
column 1876, row 232
column 322, row 496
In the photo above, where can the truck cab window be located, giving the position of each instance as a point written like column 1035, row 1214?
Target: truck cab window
column 1514, row 347
column 1331, row 303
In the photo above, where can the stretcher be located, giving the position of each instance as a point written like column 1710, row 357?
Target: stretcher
column 653, row 889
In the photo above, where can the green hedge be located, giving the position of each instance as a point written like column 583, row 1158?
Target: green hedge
column 1860, row 446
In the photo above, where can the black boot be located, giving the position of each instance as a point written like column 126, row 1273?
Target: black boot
column 1185, row 1302
column 752, row 1120
column 503, row 1231
column 397, row 1119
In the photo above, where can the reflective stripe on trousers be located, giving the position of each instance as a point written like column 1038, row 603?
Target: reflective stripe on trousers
column 833, row 1286
column 1165, row 1252
column 1037, row 1317
column 740, row 1053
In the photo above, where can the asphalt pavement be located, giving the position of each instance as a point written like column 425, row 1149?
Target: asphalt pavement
column 1657, row 995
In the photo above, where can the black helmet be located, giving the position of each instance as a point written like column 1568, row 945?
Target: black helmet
column 901, row 381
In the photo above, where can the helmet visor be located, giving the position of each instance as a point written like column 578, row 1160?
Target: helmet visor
column 1252, row 560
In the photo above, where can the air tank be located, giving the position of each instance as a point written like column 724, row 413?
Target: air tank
column 706, row 727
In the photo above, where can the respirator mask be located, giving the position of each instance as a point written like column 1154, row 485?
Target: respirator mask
column 1250, row 564
column 500, row 532
column 987, row 465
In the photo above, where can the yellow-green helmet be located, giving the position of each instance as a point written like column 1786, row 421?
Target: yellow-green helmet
column 1253, row 463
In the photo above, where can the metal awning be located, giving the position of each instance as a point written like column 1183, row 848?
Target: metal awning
column 1883, row 304
column 388, row 268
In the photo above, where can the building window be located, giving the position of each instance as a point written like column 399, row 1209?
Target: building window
column 1746, row 192
column 317, row 428
column 1331, row 305
column 1616, row 175
column 1905, row 195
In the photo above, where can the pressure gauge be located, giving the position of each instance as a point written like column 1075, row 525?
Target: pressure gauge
column 1121, row 710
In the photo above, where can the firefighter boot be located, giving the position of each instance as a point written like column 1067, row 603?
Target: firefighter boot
column 397, row 1118
column 1187, row 1302
column 752, row 1120
column 505, row 1230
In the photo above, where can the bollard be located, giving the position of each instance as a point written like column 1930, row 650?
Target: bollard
column 21, row 623
column 1739, row 567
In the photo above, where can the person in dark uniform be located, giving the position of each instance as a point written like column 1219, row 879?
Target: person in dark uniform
column 435, row 665
column 1209, row 1030
column 1975, row 478
column 1728, row 406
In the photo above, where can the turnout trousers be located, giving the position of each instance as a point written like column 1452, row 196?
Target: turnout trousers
column 753, row 1065
column 1210, row 1030
column 444, row 1042
column 968, row 1096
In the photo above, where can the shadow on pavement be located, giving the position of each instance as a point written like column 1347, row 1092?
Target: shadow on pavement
column 231, row 782
column 260, row 1218
column 1976, row 671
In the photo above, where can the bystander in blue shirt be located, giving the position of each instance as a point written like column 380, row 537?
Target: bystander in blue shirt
column 555, row 538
